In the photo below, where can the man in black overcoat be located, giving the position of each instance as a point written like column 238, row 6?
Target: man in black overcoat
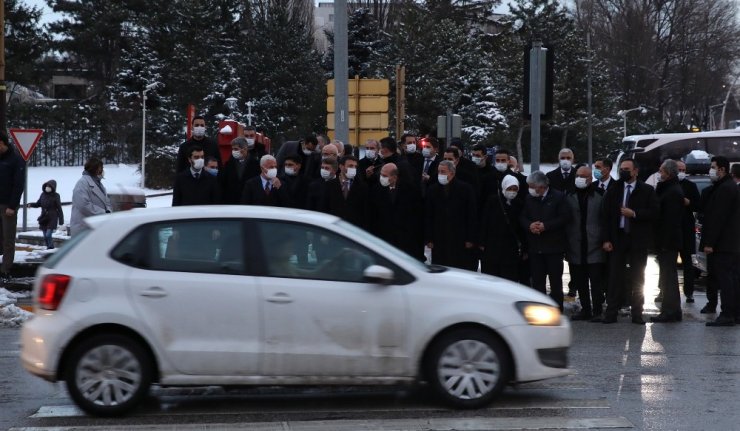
column 630, row 211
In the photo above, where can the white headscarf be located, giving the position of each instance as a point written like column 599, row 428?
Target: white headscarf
column 509, row 181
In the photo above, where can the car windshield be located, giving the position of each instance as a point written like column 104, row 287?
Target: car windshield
column 391, row 252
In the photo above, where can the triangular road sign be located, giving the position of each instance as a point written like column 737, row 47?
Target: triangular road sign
column 26, row 139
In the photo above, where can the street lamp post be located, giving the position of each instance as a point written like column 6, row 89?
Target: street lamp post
column 623, row 114
column 143, row 132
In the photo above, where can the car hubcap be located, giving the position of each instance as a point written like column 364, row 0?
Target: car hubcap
column 468, row 369
column 108, row 375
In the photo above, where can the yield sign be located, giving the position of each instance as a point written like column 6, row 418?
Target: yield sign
column 26, row 140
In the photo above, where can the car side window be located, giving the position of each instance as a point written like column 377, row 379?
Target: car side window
column 212, row 246
column 293, row 250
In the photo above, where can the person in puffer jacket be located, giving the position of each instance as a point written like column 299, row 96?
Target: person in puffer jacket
column 51, row 211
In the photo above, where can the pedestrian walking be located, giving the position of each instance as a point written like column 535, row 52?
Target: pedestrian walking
column 51, row 211
column 89, row 196
column 691, row 201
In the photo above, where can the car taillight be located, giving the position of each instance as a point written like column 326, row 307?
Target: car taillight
column 53, row 288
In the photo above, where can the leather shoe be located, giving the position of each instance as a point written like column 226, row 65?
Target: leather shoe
column 690, row 299
column 581, row 316
column 666, row 318
column 709, row 309
column 637, row 320
column 722, row 321
column 609, row 319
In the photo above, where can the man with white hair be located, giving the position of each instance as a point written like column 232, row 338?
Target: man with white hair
column 450, row 219
column 544, row 218
column 564, row 177
column 329, row 151
column 239, row 169
column 266, row 189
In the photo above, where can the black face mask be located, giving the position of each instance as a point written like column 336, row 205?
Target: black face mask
column 625, row 176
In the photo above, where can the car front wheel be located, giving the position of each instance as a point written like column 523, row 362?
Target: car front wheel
column 108, row 375
column 468, row 368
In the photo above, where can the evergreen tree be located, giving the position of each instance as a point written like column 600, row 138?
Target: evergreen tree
column 25, row 43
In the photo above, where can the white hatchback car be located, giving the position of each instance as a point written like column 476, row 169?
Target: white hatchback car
column 237, row 295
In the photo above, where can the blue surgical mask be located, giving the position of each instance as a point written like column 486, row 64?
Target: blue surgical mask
column 597, row 174
column 212, row 171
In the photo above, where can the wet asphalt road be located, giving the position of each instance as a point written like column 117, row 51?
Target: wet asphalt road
column 655, row 377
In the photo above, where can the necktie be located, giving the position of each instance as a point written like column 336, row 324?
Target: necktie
column 267, row 189
column 565, row 175
column 427, row 162
column 345, row 188
column 626, row 224
column 196, row 175
column 602, row 186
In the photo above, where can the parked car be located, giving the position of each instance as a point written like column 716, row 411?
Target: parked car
column 235, row 295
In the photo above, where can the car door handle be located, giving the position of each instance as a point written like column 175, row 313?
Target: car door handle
column 280, row 298
column 154, row 292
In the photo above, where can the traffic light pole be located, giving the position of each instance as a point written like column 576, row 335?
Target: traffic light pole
column 341, row 77
column 3, row 88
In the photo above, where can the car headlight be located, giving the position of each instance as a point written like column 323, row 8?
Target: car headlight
column 539, row 314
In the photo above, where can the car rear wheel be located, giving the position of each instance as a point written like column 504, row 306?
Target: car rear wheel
column 108, row 375
column 468, row 368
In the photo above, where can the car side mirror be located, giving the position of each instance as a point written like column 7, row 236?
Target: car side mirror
column 378, row 274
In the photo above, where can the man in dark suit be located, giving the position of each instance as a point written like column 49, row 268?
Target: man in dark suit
column 410, row 150
column 266, row 189
column 429, row 150
column 372, row 162
column 691, row 202
column 720, row 237
column 195, row 186
column 395, row 213
column 237, row 170
column 346, row 195
column 450, row 219
column 462, row 173
column 491, row 183
column 316, row 199
column 199, row 139
column 563, row 178
column 603, row 175
column 630, row 210
column 668, row 240
column 296, row 185
column 544, row 218
column 389, row 154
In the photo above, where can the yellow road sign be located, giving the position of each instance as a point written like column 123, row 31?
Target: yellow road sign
column 377, row 121
column 367, row 104
column 365, row 86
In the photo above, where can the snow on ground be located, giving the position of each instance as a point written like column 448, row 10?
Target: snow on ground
column 10, row 314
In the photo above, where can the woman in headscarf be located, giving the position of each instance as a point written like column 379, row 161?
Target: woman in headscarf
column 502, row 238
column 89, row 197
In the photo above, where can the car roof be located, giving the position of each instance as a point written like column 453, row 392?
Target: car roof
column 138, row 216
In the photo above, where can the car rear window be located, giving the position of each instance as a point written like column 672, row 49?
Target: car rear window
column 55, row 258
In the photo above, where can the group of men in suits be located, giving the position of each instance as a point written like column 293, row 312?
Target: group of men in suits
column 480, row 212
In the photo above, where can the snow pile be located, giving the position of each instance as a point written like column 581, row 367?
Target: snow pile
column 10, row 314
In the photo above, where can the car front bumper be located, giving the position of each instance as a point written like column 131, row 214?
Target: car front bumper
column 539, row 352
column 41, row 342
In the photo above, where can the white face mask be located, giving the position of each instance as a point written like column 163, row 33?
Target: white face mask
column 581, row 183
column 325, row 174
column 566, row 164
column 199, row 131
column 47, row 189
column 713, row 174
column 510, row 195
column 533, row 192
column 236, row 154
column 442, row 179
column 385, row 181
column 371, row 154
column 289, row 170
column 351, row 172
column 426, row 152
column 250, row 142
column 411, row 148
column 682, row 176
column 501, row 167
column 307, row 152
column 271, row 173
column 198, row 164
column 477, row 160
